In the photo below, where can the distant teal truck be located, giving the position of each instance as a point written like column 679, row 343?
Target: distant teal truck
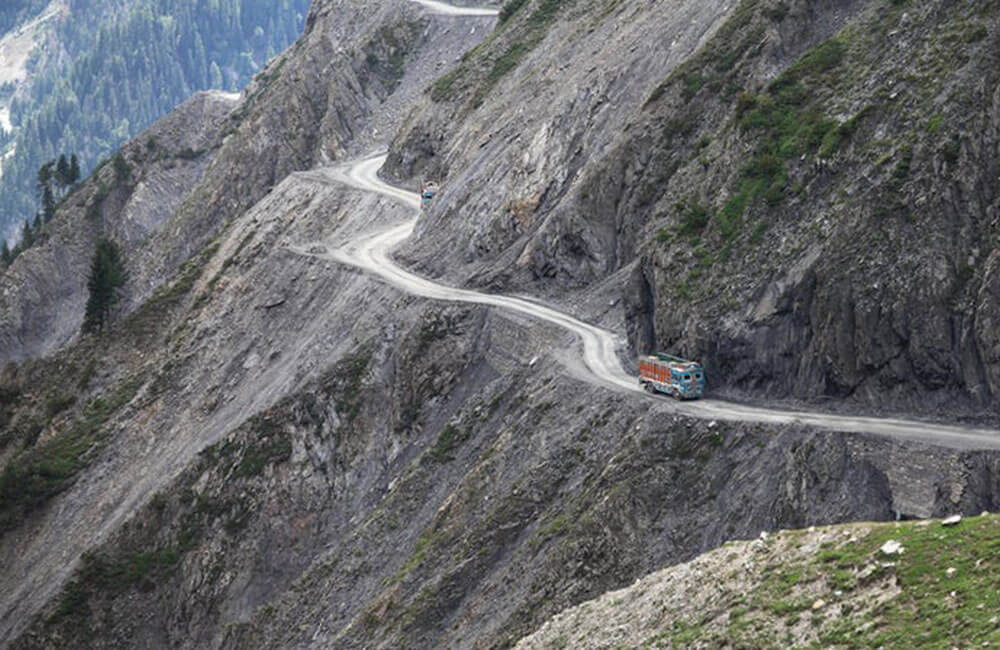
column 679, row 378
column 427, row 193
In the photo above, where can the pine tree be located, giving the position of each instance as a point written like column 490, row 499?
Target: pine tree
column 74, row 169
column 48, row 204
column 44, row 177
column 5, row 254
column 62, row 171
column 123, row 171
column 107, row 277
column 27, row 236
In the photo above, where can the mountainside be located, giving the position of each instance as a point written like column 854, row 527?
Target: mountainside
column 831, row 587
column 107, row 70
column 808, row 200
column 273, row 448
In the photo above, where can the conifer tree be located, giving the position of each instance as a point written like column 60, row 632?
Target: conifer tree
column 62, row 171
column 74, row 169
column 48, row 204
column 27, row 236
column 44, row 177
column 5, row 254
column 107, row 277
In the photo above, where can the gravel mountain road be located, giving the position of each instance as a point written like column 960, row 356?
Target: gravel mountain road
column 601, row 348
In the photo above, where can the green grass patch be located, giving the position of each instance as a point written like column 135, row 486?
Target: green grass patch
column 789, row 125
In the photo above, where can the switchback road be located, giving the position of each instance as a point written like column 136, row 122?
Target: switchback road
column 372, row 253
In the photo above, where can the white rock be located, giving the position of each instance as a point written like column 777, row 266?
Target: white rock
column 892, row 547
column 951, row 571
column 819, row 604
column 763, row 535
column 952, row 520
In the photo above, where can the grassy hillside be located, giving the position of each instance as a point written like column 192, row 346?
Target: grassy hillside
column 832, row 587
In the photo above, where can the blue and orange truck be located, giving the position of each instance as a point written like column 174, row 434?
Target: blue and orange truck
column 679, row 378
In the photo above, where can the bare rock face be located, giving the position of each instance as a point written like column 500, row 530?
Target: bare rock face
column 843, row 267
column 987, row 327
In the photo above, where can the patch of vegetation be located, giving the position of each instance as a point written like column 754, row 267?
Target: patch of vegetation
column 351, row 372
column 951, row 150
column 902, row 170
column 187, row 153
column 100, row 574
column 57, row 403
column 789, row 126
column 271, row 445
column 713, row 67
column 447, row 441
column 266, row 442
column 523, row 37
column 776, row 12
column 694, row 217
column 34, row 476
column 147, row 321
column 557, row 527
column 509, row 9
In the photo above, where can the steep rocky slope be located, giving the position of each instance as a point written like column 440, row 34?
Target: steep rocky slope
column 211, row 160
column 272, row 450
column 803, row 193
column 831, row 587
column 42, row 295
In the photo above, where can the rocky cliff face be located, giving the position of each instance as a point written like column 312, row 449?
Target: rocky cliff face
column 272, row 450
column 803, row 193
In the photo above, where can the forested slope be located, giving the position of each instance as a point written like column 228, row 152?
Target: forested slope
column 113, row 68
column 13, row 12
